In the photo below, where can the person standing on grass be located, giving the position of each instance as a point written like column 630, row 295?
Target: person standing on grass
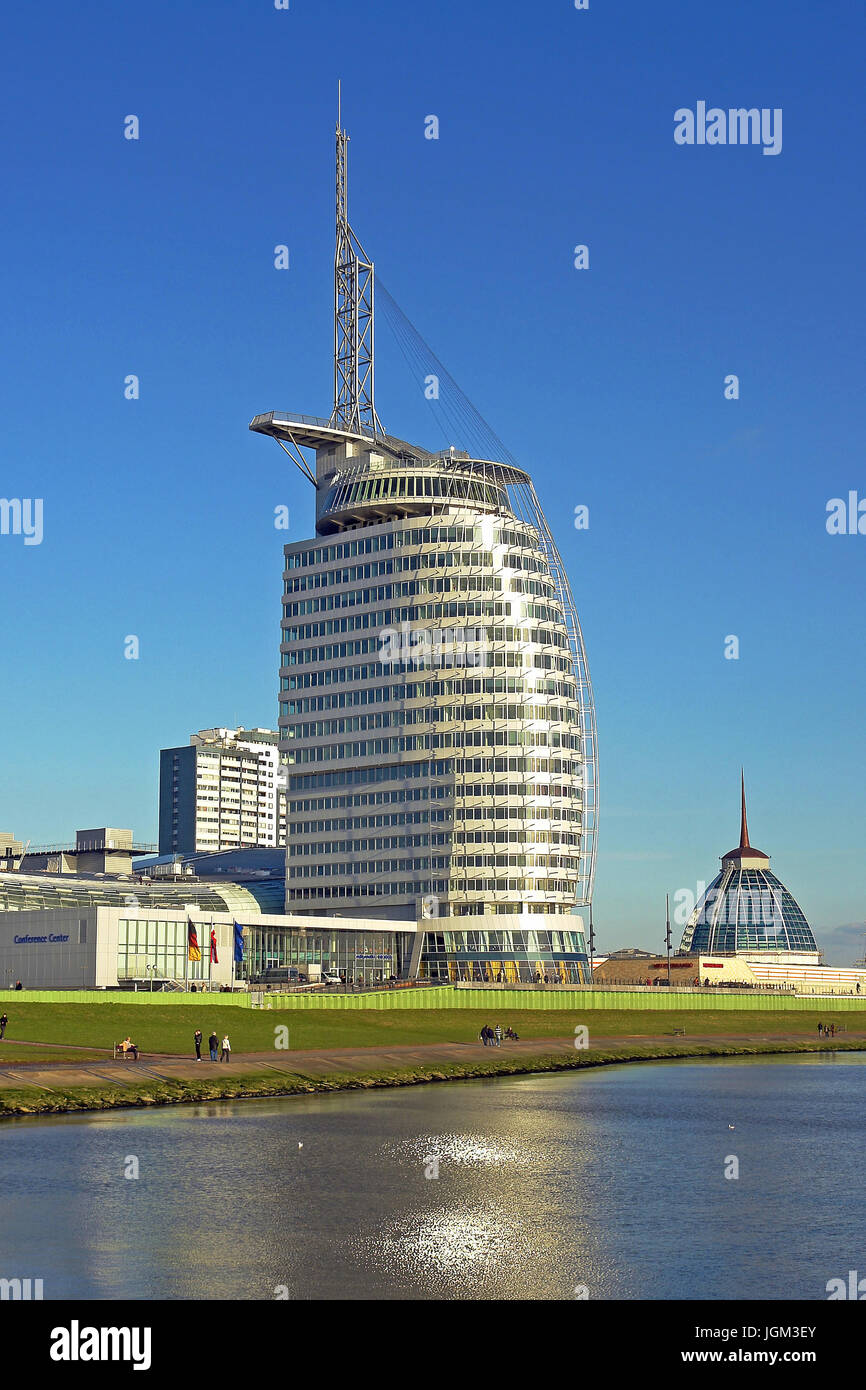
column 3, row 1021
column 227, row 1049
column 213, row 1044
column 197, row 1041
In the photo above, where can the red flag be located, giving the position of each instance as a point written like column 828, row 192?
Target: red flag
column 213, row 950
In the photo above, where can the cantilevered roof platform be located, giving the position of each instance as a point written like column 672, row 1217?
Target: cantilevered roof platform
column 310, row 432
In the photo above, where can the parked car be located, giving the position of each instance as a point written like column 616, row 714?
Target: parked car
column 283, row 975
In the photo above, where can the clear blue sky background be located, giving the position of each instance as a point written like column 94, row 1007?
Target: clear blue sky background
column 707, row 516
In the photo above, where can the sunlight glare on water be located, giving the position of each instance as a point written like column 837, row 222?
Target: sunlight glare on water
column 612, row 1179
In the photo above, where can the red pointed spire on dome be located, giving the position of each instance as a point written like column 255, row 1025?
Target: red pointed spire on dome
column 745, row 847
column 744, row 829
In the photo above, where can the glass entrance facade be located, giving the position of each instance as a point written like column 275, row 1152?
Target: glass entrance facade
column 506, row 957
column 159, row 949
column 362, row 957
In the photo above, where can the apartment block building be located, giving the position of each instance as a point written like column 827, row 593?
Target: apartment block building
column 221, row 791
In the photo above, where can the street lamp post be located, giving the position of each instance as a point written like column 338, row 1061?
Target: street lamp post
column 668, row 934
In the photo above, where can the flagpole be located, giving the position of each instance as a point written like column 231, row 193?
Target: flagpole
column 213, row 953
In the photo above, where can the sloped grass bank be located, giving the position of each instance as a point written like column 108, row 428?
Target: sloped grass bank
column 160, row 1029
column 260, row 1083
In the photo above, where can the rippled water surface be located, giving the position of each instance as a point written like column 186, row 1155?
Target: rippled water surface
column 611, row 1179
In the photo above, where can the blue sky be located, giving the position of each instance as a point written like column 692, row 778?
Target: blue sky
column 707, row 516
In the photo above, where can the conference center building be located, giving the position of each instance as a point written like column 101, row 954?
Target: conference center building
column 81, row 931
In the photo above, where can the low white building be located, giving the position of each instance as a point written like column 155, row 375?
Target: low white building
column 90, row 946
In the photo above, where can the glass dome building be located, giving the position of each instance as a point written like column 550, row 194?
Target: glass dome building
column 747, row 909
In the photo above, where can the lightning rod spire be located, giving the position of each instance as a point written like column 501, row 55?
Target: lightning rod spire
column 354, row 407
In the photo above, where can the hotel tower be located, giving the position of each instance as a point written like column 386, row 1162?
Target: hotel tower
column 436, row 712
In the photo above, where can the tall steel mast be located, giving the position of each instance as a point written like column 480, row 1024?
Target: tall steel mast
column 354, row 408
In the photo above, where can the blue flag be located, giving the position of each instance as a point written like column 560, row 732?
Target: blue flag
column 239, row 943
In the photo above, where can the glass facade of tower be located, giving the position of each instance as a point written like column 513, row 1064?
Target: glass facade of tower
column 430, row 719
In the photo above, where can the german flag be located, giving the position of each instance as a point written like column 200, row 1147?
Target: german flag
column 193, row 950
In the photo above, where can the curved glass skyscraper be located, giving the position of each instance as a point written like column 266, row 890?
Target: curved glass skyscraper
column 436, row 708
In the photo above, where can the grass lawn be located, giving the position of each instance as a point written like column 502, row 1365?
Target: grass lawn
column 169, row 1028
column 13, row 1053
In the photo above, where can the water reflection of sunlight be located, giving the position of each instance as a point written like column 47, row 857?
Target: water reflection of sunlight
column 468, row 1150
column 453, row 1242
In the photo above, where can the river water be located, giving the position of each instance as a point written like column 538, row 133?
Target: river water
column 610, row 1181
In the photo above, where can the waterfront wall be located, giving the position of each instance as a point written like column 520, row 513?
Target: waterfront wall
column 9, row 997
column 446, row 997
column 494, row 1000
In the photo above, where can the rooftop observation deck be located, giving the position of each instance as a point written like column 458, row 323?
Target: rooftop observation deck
column 310, row 432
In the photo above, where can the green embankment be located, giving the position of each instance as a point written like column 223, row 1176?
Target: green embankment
column 169, row 1030
column 614, row 1036
column 255, row 1083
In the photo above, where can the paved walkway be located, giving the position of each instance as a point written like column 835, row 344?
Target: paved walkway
column 96, row 1071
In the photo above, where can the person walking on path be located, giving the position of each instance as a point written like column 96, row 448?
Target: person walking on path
column 197, row 1041
column 3, row 1021
column 820, row 1029
column 213, row 1044
column 497, row 1033
column 227, row 1049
